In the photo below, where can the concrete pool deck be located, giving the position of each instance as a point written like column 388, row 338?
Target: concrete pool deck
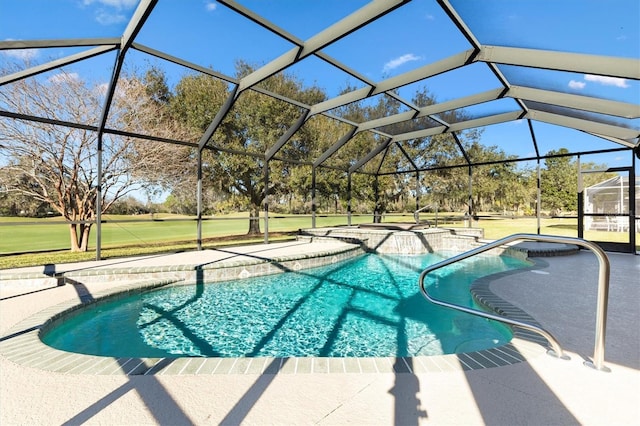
column 541, row 390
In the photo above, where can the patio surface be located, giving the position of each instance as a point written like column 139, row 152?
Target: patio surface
column 559, row 292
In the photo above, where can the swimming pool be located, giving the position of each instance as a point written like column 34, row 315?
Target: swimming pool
column 369, row 306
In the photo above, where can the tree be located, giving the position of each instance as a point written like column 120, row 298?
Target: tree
column 254, row 124
column 315, row 137
column 446, row 185
column 144, row 107
column 128, row 206
column 559, row 182
column 13, row 203
column 519, row 192
column 234, row 158
column 57, row 164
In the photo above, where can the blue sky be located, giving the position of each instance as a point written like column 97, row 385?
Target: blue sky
column 415, row 35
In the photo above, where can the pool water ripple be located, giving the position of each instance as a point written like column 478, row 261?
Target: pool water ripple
column 369, row 306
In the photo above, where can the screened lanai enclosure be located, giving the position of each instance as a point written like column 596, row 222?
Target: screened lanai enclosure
column 381, row 110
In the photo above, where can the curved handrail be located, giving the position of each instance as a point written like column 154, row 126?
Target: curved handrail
column 416, row 214
column 602, row 300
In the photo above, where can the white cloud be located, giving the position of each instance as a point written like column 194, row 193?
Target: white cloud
column 607, row 81
column 63, row 77
column 108, row 11
column 22, row 54
column 106, row 18
column 401, row 60
column 578, row 85
column 430, row 17
column 101, row 89
column 210, row 6
column 119, row 4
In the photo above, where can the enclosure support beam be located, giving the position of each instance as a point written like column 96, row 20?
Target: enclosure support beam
column 539, row 196
column 471, row 209
column 266, row 202
column 407, row 156
column 589, row 126
column 345, row 26
column 137, row 21
column 222, row 113
column 336, row 146
column 462, row 125
column 375, row 151
column 417, row 190
column 461, row 147
column 459, row 22
column 313, row 196
column 580, row 199
column 287, row 135
column 632, row 206
column 376, row 209
column 349, row 199
column 439, row 67
column 562, row 61
column 628, row 144
column 99, row 201
column 103, row 121
column 534, row 139
column 583, row 103
column 68, row 60
column 199, row 202
column 430, row 110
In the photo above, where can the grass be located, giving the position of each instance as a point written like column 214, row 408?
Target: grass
column 47, row 240
column 119, row 230
column 66, row 256
column 28, row 242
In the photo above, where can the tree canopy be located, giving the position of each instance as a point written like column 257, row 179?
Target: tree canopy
column 55, row 165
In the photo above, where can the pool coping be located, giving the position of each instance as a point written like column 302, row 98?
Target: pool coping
column 246, row 266
column 22, row 345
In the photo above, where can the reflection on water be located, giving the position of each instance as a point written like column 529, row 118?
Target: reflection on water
column 369, row 306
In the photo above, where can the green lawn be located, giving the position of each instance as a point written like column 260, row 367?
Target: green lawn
column 53, row 233
column 47, row 240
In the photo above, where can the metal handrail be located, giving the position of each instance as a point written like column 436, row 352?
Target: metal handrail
column 416, row 214
column 602, row 298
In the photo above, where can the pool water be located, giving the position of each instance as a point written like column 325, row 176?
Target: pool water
column 369, row 306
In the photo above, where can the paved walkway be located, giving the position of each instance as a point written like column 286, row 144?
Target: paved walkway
column 559, row 292
column 189, row 258
column 212, row 265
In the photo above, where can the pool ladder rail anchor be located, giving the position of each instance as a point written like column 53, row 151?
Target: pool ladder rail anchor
column 555, row 351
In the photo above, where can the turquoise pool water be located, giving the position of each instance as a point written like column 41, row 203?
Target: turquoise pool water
column 364, row 307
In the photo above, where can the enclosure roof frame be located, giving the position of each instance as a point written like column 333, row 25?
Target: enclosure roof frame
column 567, row 110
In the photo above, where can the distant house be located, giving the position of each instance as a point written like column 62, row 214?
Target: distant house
column 610, row 197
